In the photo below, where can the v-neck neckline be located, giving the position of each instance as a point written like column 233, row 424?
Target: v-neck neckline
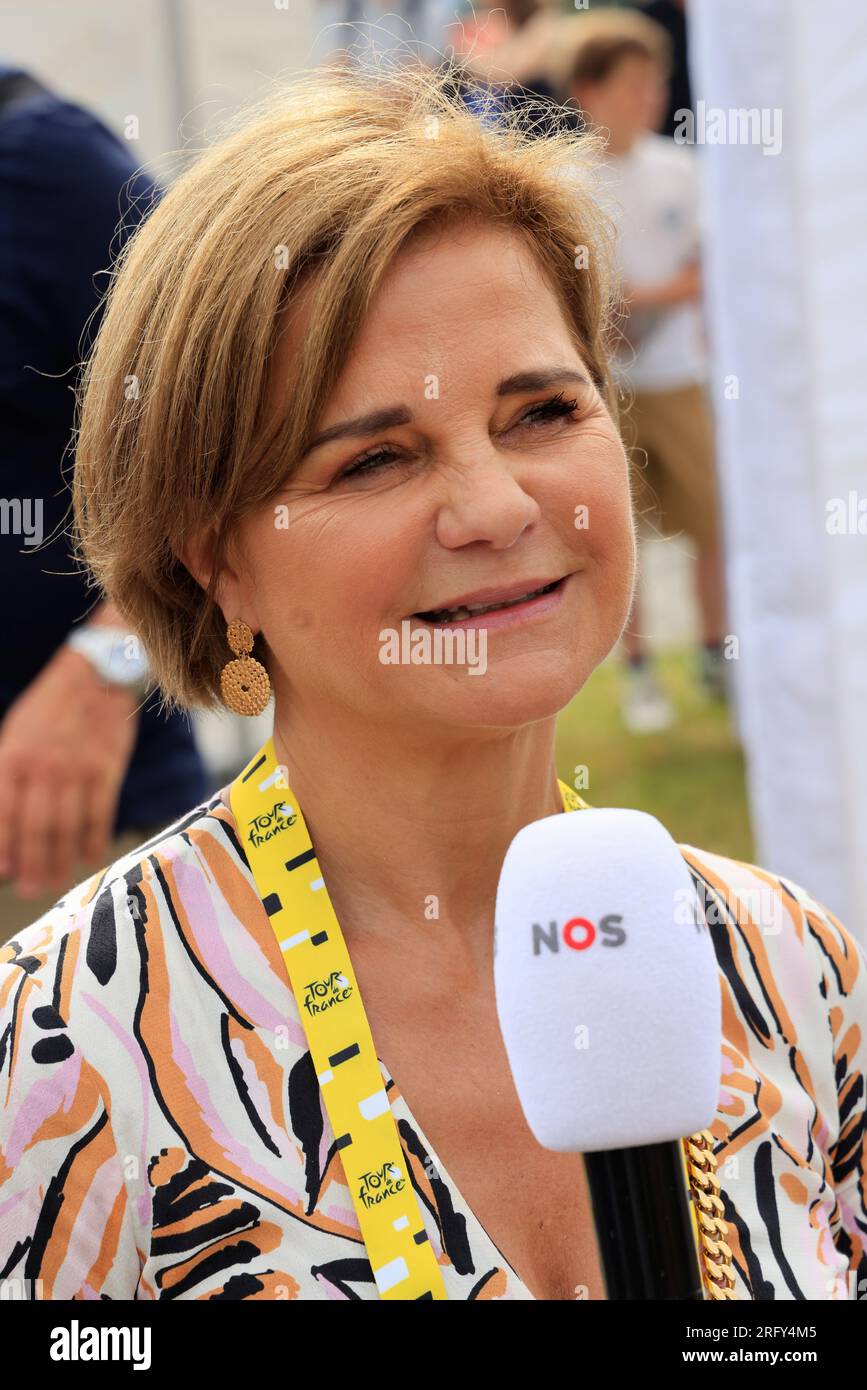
column 477, row 1234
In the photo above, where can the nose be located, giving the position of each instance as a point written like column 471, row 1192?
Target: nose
column 484, row 501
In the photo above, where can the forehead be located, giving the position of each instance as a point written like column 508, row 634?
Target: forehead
column 449, row 287
column 635, row 67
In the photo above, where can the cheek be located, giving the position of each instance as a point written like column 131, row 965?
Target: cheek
column 610, row 532
column 599, row 502
column 327, row 570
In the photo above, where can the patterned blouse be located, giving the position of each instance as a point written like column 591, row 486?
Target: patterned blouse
column 163, row 1135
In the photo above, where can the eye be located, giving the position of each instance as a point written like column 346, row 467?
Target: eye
column 370, row 462
column 545, row 411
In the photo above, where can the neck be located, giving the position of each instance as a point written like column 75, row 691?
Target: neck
column 619, row 145
column 617, row 142
column 410, row 829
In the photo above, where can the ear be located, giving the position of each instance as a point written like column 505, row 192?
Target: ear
column 582, row 93
column 197, row 554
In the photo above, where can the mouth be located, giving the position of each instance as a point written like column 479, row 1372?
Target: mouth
column 499, row 612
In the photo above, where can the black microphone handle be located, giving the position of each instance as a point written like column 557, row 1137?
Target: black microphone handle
column 643, row 1222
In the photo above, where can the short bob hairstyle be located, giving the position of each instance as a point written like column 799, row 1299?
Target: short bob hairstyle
column 328, row 177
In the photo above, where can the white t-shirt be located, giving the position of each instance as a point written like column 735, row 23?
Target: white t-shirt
column 652, row 193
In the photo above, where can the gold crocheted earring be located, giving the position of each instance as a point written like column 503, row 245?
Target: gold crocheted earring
column 244, row 682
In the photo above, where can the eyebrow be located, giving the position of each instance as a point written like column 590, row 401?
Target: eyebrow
column 388, row 416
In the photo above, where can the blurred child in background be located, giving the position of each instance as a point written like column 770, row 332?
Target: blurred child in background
column 618, row 79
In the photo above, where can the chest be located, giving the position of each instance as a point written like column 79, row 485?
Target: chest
column 451, row 1068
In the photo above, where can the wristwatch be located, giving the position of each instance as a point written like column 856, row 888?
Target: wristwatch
column 107, row 650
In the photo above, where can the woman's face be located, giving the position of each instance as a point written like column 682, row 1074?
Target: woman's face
column 479, row 483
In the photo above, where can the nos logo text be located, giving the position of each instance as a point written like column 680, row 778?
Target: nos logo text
column 579, row 934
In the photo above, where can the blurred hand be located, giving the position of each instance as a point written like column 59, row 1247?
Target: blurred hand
column 65, row 745
column 684, row 284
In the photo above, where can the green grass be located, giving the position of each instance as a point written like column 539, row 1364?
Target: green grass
column 691, row 777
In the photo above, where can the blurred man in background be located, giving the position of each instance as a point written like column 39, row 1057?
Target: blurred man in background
column 88, row 768
column 618, row 80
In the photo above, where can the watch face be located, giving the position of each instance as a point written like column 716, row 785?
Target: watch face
column 115, row 655
column 124, row 669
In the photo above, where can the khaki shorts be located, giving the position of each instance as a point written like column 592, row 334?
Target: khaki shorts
column 16, row 913
column 669, row 436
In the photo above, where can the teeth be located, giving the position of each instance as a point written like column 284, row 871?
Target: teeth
column 455, row 615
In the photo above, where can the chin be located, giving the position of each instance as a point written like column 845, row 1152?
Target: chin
column 508, row 698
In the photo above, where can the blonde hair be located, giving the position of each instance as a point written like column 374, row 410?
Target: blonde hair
column 328, row 177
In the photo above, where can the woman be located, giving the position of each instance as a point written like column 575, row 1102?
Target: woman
column 352, row 374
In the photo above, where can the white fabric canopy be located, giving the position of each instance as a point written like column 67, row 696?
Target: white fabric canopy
column 786, row 288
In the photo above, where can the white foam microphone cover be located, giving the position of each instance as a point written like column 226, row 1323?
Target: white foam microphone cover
column 607, row 984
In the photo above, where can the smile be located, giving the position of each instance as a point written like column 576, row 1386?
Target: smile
column 502, row 613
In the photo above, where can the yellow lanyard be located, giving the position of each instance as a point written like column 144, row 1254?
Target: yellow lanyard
column 289, row 882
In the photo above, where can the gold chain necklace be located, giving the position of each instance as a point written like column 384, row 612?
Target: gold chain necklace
column 704, row 1184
